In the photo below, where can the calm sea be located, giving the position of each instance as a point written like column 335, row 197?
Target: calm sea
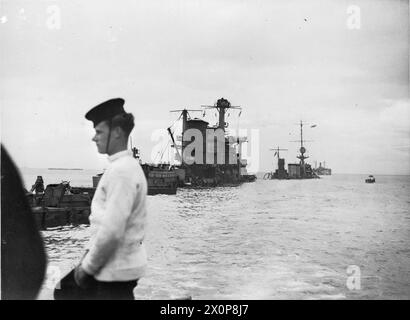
column 333, row 238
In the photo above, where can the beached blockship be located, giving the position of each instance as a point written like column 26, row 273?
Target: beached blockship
column 207, row 155
column 301, row 170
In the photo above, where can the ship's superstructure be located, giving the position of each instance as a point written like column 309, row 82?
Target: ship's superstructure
column 207, row 154
column 301, row 170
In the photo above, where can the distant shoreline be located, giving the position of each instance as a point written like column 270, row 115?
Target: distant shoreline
column 258, row 173
column 65, row 169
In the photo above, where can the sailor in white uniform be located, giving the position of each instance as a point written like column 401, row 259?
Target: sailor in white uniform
column 116, row 257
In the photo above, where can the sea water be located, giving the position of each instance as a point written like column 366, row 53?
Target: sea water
column 330, row 238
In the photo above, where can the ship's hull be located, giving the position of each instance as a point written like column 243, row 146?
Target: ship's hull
column 323, row 171
column 51, row 217
column 161, row 180
column 205, row 175
column 61, row 205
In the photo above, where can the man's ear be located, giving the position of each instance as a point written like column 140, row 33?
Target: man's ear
column 116, row 132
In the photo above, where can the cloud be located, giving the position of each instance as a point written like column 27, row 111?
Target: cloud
column 282, row 61
column 396, row 115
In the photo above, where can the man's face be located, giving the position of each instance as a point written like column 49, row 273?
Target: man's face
column 101, row 136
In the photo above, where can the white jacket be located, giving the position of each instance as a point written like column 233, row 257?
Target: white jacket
column 117, row 222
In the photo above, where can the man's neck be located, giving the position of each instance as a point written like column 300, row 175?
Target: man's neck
column 117, row 149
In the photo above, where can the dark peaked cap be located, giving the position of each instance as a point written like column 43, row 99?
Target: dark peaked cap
column 106, row 110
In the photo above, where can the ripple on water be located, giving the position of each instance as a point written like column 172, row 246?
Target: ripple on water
column 269, row 240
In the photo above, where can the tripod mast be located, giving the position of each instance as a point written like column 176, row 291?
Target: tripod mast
column 222, row 105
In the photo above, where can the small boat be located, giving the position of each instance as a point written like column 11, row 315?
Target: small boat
column 60, row 204
column 161, row 179
column 370, row 179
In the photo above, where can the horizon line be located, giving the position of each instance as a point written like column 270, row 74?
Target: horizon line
column 260, row 171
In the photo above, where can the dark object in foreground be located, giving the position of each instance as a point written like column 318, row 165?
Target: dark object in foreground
column 23, row 259
column 67, row 288
column 370, row 179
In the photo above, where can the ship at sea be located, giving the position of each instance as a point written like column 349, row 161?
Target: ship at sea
column 301, row 170
column 322, row 170
column 208, row 156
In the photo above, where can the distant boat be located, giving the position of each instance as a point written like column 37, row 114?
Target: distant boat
column 322, row 170
column 64, row 169
column 370, row 179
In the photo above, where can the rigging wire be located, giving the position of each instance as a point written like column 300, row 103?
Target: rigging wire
column 163, row 151
column 176, row 120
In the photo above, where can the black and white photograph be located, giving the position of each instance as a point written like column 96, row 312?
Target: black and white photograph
column 205, row 150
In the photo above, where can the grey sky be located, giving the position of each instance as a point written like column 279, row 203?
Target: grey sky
column 282, row 61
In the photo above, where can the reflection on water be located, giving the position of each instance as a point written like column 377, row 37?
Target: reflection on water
column 270, row 240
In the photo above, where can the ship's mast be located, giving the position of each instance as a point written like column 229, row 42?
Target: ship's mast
column 174, row 143
column 222, row 105
column 135, row 151
column 184, row 120
column 302, row 149
column 277, row 152
column 184, row 115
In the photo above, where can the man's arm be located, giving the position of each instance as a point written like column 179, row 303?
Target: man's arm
column 121, row 194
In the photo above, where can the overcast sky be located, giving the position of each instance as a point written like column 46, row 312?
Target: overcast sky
column 281, row 61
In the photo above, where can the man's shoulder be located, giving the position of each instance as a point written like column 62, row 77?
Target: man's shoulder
column 128, row 166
